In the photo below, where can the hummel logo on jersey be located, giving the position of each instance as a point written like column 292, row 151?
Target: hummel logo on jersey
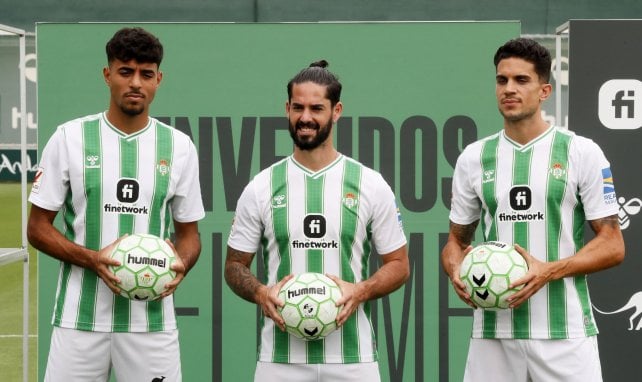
column 520, row 198
column 314, row 226
column 127, row 190
column 489, row 176
column 92, row 161
column 279, row 201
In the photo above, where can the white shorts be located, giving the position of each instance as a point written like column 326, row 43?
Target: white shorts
column 568, row 360
column 326, row 372
column 77, row 355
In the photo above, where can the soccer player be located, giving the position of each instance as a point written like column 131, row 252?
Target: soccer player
column 317, row 195
column 111, row 174
column 534, row 185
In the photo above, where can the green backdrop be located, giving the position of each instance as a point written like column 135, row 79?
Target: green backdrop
column 414, row 95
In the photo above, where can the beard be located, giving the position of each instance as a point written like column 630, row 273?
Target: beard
column 310, row 143
column 132, row 109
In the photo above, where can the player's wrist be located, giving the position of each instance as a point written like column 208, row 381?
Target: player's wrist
column 261, row 293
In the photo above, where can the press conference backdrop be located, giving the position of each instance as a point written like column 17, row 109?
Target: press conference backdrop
column 414, row 95
column 605, row 104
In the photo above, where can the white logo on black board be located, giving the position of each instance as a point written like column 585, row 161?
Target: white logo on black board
column 620, row 104
column 634, row 303
column 627, row 209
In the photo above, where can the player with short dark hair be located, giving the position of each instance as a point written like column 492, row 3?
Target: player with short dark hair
column 354, row 213
column 536, row 186
column 93, row 171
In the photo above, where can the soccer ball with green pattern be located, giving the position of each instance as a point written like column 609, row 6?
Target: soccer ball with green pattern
column 145, row 266
column 488, row 270
column 310, row 307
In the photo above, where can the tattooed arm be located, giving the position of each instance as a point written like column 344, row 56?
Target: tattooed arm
column 242, row 281
column 456, row 248
column 605, row 250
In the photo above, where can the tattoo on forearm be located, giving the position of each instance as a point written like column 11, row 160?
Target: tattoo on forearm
column 464, row 233
column 238, row 274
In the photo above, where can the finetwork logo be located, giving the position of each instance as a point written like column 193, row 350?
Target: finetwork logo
column 520, row 198
column 620, row 104
column 314, row 226
column 314, row 229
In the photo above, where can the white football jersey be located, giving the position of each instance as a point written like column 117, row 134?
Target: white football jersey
column 106, row 184
column 539, row 196
column 327, row 222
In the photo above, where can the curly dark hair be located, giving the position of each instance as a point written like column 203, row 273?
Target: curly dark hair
column 134, row 43
column 528, row 50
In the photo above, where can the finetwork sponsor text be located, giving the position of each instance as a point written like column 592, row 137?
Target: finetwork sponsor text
column 521, row 216
column 315, row 244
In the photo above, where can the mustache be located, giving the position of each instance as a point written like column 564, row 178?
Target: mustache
column 313, row 125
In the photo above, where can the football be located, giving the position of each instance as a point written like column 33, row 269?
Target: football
column 145, row 266
column 310, row 311
column 488, row 270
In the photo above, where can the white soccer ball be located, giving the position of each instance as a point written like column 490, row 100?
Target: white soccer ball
column 310, row 307
column 488, row 270
column 145, row 266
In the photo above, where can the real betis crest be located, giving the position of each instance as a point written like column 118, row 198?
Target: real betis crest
column 163, row 167
column 557, row 171
column 350, row 200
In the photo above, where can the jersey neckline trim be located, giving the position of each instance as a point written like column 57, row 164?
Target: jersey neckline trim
column 530, row 144
column 316, row 174
column 103, row 116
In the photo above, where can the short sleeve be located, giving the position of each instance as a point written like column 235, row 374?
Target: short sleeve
column 465, row 205
column 247, row 227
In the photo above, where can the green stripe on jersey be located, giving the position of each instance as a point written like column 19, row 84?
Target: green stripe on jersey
column 280, row 225
column 164, row 151
column 164, row 155
column 93, row 174
column 556, row 187
column 349, row 219
column 314, row 187
column 521, row 176
column 489, row 172
column 580, row 281
column 68, row 216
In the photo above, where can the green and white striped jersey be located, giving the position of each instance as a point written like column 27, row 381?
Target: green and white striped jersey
column 537, row 195
column 326, row 222
column 107, row 184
